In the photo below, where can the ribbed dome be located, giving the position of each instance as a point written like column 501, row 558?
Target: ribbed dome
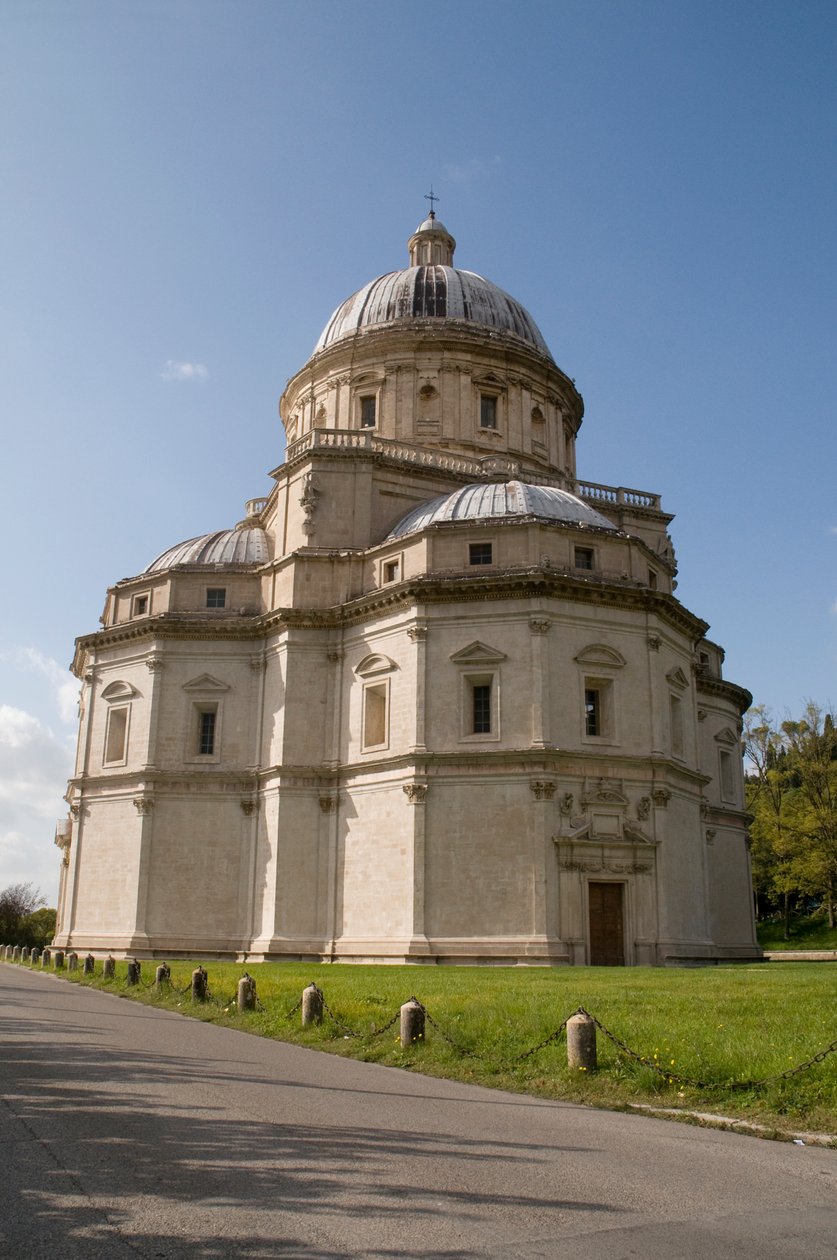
column 431, row 292
column 246, row 545
column 493, row 502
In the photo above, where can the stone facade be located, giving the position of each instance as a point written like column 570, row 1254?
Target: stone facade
column 351, row 729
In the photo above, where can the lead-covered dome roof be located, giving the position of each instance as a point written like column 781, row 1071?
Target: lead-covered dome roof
column 504, row 501
column 248, row 544
column 431, row 288
column 434, row 292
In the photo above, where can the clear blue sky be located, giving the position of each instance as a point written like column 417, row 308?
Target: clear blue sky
column 201, row 182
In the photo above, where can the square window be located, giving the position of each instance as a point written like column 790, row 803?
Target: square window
column 116, row 737
column 391, row 570
column 375, row 715
column 368, row 408
column 207, row 719
column 139, row 606
column 216, row 597
column 480, row 553
column 584, row 558
column 488, row 411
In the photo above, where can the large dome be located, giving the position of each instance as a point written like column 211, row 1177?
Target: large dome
column 434, row 292
column 246, row 545
column 506, row 500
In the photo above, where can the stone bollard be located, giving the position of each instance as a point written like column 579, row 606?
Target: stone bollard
column 89, row 968
column 46, row 957
column 72, row 961
column 58, row 960
column 109, row 967
column 33, row 957
column 7, row 951
column 134, row 971
column 200, row 981
column 246, row 999
column 16, row 954
column 312, row 1006
column 581, row 1043
column 24, row 954
column 412, row 1022
column 162, row 975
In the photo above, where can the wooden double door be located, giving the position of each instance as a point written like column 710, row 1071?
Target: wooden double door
column 607, row 924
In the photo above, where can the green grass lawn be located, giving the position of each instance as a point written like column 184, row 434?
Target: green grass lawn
column 724, row 1027
column 806, row 932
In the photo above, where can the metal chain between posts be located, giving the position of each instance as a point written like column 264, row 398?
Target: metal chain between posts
column 673, row 1077
column 622, row 1046
column 553, row 1036
column 473, row 1054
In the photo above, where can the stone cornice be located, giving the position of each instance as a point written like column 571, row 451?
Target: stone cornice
column 567, row 762
column 723, row 690
column 433, row 589
column 402, row 339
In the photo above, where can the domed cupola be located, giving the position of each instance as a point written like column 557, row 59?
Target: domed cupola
column 435, row 358
column 432, row 288
column 246, row 544
column 431, row 244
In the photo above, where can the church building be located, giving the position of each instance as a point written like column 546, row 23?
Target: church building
column 433, row 700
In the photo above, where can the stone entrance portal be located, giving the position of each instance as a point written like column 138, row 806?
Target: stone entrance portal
column 607, row 933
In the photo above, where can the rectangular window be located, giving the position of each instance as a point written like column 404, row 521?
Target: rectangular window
column 206, row 732
column 488, row 411
column 727, row 788
column 676, row 708
column 652, row 579
column 583, row 558
column 367, row 412
column 116, row 737
column 391, row 570
column 139, row 606
column 216, row 597
column 592, row 711
column 375, row 716
column 481, row 708
column 479, row 553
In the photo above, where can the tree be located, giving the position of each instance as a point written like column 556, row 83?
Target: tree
column 16, row 902
column 812, row 755
column 36, row 929
column 792, row 795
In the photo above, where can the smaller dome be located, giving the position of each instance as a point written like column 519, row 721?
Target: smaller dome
column 509, row 500
column 246, row 545
column 432, row 224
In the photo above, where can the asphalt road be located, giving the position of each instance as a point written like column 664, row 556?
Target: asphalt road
column 129, row 1132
